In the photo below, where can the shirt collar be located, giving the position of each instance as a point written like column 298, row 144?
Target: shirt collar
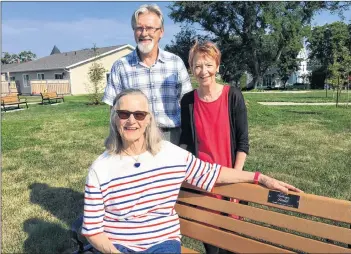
column 160, row 58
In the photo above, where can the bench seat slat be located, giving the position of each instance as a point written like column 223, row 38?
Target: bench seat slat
column 315, row 228
column 260, row 232
column 187, row 250
column 226, row 240
column 324, row 207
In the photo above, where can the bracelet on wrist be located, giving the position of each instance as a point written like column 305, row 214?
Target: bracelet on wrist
column 257, row 175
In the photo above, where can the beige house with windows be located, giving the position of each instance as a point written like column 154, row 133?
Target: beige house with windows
column 72, row 66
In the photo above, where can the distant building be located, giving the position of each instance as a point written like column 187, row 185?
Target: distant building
column 300, row 76
column 72, row 66
column 272, row 79
column 55, row 50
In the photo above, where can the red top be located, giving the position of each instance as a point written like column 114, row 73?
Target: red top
column 213, row 129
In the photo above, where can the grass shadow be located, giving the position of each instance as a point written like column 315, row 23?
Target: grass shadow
column 63, row 203
column 45, row 237
column 12, row 109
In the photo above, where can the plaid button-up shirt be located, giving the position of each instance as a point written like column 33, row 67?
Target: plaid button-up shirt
column 164, row 83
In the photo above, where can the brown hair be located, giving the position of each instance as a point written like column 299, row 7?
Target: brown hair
column 205, row 48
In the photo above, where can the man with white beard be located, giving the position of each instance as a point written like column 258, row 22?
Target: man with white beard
column 161, row 75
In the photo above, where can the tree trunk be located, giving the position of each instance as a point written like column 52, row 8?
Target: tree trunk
column 257, row 80
column 337, row 93
column 347, row 103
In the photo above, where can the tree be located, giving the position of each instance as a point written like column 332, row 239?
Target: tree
column 264, row 29
column 182, row 44
column 24, row 56
column 230, row 70
column 96, row 75
column 338, row 72
column 9, row 58
column 6, row 59
column 329, row 46
column 288, row 62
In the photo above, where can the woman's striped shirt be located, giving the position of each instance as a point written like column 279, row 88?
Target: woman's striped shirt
column 135, row 206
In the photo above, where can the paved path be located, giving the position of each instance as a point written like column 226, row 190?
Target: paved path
column 279, row 91
column 301, row 103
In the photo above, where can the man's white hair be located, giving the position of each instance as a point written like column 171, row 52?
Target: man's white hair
column 147, row 8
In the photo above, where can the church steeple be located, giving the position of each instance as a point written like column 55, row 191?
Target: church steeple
column 55, row 50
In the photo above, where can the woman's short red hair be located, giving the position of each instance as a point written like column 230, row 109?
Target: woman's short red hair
column 205, row 48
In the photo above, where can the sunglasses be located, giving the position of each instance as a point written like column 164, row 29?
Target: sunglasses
column 138, row 115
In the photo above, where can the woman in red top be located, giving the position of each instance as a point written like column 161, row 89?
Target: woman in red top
column 213, row 116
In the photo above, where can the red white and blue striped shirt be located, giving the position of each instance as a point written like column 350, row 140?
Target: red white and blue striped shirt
column 135, row 206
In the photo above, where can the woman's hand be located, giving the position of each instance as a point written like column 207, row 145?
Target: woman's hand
column 102, row 243
column 274, row 184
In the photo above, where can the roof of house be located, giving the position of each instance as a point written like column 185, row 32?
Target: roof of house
column 7, row 67
column 63, row 60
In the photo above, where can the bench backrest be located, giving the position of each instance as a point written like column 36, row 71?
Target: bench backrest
column 10, row 99
column 272, row 222
column 49, row 95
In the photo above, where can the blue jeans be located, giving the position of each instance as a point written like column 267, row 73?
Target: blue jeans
column 170, row 246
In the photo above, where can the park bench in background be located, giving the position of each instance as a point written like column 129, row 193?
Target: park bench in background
column 294, row 222
column 50, row 97
column 12, row 99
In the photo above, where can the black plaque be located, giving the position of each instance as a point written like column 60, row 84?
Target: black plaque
column 280, row 198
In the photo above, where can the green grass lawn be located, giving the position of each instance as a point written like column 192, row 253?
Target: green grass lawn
column 47, row 149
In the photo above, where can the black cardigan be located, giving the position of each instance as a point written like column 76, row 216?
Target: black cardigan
column 239, row 140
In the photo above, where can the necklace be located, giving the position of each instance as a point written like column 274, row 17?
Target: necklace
column 137, row 163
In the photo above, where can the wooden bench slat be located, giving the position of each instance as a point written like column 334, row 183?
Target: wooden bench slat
column 257, row 231
column 187, row 250
column 226, row 240
column 270, row 217
column 329, row 208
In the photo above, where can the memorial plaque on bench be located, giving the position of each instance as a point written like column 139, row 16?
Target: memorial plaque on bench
column 279, row 198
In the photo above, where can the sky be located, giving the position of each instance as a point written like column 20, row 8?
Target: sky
column 38, row 26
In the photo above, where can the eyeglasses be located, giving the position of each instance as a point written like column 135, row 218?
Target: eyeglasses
column 138, row 115
column 148, row 29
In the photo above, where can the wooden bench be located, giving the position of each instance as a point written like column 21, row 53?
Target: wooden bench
column 12, row 99
column 51, row 96
column 272, row 222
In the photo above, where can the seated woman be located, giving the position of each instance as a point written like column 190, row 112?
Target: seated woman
column 131, row 189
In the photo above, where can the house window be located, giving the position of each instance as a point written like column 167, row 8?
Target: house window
column 40, row 76
column 26, row 80
column 58, row 76
column 12, row 78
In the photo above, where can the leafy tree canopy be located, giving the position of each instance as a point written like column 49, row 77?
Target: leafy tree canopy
column 253, row 35
column 330, row 51
column 24, row 56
